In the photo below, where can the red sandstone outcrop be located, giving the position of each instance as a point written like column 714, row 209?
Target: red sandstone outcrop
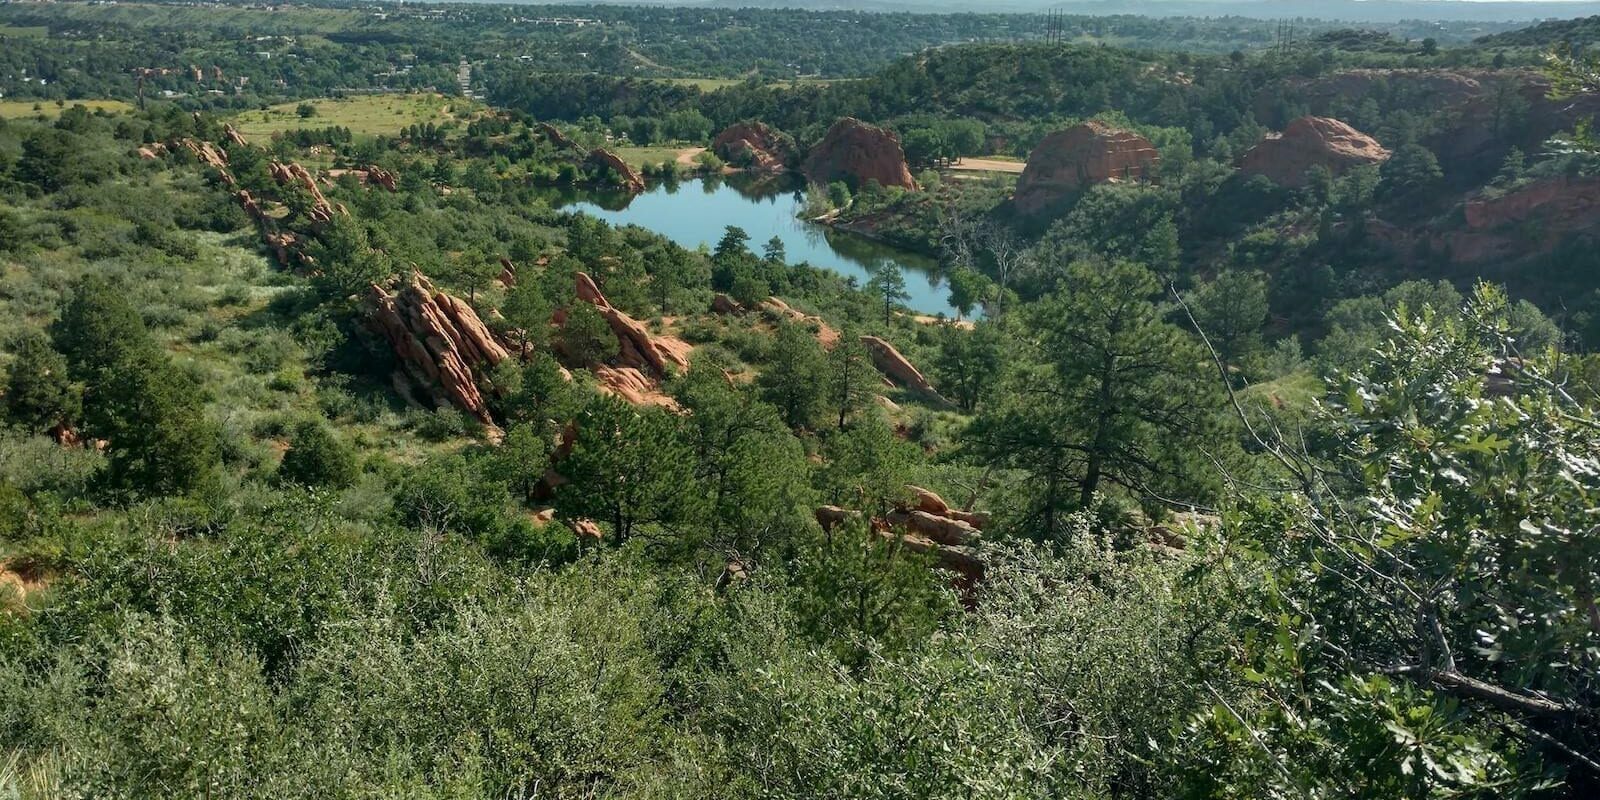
column 857, row 153
column 632, row 386
column 1561, row 203
column 723, row 304
column 439, row 339
column 895, row 367
column 951, row 541
column 639, row 350
column 294, row 174
column 630, row 177
column 556, row 137
column 1081, row 156
column 777, row 309
column 378, row 176
column 755, row 144
column 1308, row 142
column 233, row 136
column 210, row 155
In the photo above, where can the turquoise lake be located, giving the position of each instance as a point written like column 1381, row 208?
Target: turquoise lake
column 695, row 212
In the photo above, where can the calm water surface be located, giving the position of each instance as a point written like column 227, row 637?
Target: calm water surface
column 695, row 212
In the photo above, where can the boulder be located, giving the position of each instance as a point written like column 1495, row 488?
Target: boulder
column 439, row 339
column 895, row 367
column 629, row 177
column 1072, row 160
column 856, row 153
column 1308, row 142
column 755, row 145
column 928, row 501
column 935, row 527
column 723, row 304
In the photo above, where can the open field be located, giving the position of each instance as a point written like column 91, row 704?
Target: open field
column 22, row 109
column 640, row 156
column 364, row 115
column 988, row 165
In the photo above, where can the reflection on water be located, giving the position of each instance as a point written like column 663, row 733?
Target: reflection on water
column 695, row 212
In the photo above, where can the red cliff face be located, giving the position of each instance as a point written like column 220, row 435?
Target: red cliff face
column 755, row 146
column 1074, row 159
column 1309, row 142
column 856, row 153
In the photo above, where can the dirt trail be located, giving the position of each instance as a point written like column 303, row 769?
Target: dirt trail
column 686, row 156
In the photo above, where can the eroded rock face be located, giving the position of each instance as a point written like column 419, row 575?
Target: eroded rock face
column 755, row 145
column 630, row 178
column 439, row 339
column 1072, row 160
column 1561, row 203
column 896, row 367
column 856, row 153
column 1308, row 142
column 639, row 349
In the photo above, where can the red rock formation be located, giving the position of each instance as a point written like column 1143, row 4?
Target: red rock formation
column 777, row 309
column 439, row 339
column 630, row 177
column 639, row 349
column 632, row 386
column 233, row 136
column 378, row 176
column 755, row 144
column 723, row 304
column 293, row 173
column 1074, row 159
column 895, row 366
column 1561, row 203
column 212, row 156
column 1309, row 142
column 856, row 153
column 556, row 137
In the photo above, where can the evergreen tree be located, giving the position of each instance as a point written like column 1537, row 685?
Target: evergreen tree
column 1113, row 393
column 586, row 337
column 888, row 283
column 39, row 395
column 851, row 377
column 1231, row 310
column 629, row 467
column 969, row 363
column 527, row 309
column 793, row 377
column 317, row 458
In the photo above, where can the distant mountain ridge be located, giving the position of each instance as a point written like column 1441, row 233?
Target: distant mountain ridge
column 1340, row 10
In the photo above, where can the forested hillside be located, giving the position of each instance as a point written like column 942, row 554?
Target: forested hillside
column 1255, row 455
